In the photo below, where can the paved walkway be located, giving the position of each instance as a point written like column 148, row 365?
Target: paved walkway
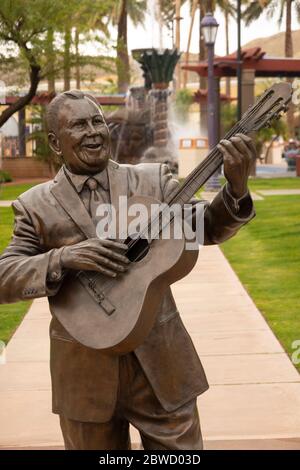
column 254, row 396
column 279, row 192
column 5, row 203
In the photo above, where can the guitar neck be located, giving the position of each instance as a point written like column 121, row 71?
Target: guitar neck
column 198, row 177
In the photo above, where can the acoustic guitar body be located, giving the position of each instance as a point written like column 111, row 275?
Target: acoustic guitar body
column 116, row 314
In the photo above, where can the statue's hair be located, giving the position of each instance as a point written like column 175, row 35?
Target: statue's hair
column 54, row 105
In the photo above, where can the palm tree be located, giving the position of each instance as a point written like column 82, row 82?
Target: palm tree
column 256, row 7
column 135, row 10
column 253, row 12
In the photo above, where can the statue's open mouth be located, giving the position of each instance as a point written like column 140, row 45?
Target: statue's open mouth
column 94, row 146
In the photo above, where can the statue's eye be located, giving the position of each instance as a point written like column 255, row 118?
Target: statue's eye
column 98, row 120
column 78, row 124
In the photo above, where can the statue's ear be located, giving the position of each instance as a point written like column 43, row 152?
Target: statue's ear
column 54, row 143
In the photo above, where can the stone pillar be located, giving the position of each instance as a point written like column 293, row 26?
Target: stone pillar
column 159, row 116
column 248, row 78
column 22, row 132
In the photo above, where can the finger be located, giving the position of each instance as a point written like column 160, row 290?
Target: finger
column 102, row 260
column 230, row 148
column 113, row 244
column 108, row 253
column 242, row 147
column 114, row 255
column 94, row 267
column 227, row 157
column 250, row 143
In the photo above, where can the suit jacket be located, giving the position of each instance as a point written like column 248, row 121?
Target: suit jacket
column 84, row 380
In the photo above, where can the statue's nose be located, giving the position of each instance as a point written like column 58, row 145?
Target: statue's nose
column 91, row 128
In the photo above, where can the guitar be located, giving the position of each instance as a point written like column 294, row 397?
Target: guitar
column 116, row 315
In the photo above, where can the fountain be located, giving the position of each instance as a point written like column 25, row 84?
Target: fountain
column 140, row 132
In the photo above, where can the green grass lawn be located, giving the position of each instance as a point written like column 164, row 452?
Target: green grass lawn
column 10, row 314
column 266, row 257
column 274, row 183
column 256, row 184
column 11, row 192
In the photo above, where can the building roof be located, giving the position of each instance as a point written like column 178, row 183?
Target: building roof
column 252, row 59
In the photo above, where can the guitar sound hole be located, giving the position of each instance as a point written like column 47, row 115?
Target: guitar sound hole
column 138, row 250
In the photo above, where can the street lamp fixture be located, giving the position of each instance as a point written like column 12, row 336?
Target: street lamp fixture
column 209, row 26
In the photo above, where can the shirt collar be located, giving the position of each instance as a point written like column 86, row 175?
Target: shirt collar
column 79, row 181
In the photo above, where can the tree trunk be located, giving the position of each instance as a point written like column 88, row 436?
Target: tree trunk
column 177, row 43
column 202, row 47
column 194, row 8
column 67, row 59
column 50, row 59
column 122, row 51
column 77, row 65
column 288, row 49
column 288, row 31
column 202, row 80
column 23, row 100
column 227, row 49
column 160, row 23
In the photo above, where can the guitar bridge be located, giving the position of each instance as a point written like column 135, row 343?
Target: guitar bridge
column 90, row 285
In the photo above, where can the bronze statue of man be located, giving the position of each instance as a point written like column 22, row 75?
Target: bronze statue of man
column 155, row 386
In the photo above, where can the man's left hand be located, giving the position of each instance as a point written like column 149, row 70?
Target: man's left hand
column 239, row 152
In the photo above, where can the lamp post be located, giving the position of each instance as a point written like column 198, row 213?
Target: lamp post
column 209, row 27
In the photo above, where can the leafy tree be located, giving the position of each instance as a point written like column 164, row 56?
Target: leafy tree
column 82, row 19
column 135, row 10
column 38, row 135
column 264, row 136
column 29, row 30
column 253, row 11
column 23, row 27
column 183, row 101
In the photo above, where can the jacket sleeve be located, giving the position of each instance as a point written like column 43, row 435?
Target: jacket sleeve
column 221, row 222
column 27, row 271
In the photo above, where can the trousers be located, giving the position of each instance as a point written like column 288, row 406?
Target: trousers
column 136, row 405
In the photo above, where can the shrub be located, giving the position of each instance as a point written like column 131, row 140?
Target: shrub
column 5, row 176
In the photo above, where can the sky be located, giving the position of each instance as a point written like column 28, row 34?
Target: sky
column 148, row 37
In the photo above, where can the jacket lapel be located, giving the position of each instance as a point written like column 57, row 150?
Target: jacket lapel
column 69, row 199
column 118, row 185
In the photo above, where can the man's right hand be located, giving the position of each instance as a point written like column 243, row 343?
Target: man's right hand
column 96, row 254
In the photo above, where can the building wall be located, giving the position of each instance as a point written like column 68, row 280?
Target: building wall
column 25, row 167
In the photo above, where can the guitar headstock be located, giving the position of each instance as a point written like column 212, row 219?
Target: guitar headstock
column 272, row 104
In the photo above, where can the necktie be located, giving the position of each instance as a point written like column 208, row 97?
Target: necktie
column 94, row 199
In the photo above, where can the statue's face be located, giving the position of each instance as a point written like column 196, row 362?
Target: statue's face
column 83, row 136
